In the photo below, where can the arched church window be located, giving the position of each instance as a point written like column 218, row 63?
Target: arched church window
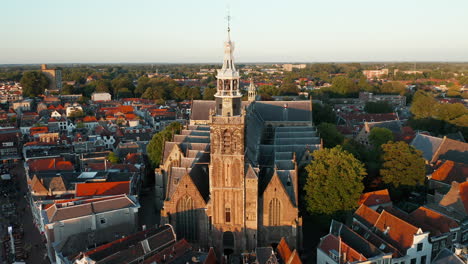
column 274, row 212
column 186, row 219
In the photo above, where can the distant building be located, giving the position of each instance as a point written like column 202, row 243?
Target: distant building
column 101, row 97
column 290, row 67
column 371, row 74
column 54, row 76
column 392, row 99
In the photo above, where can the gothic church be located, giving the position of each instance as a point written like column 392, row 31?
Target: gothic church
column 229, row 180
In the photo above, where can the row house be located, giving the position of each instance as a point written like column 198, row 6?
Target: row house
column 407, row 243
column 10, row 145
column 63, row 219
column 155, row 245
column 437, row 149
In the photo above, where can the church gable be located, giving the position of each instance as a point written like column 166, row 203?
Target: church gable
column 185, row 187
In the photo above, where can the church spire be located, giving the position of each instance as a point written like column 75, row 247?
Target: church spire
column 252, row 91
column 228, row 93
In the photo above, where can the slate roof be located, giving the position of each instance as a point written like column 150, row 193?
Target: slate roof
column 427, row 144
column 392, row 125
column 445, row 256
column 457, row 198
column 59, row 212
column 133, row 247
column 265, row 255
column 354, row 240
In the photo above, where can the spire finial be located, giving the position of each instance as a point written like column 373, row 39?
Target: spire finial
column 228, row 18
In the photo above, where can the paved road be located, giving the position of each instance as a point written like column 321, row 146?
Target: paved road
column 33, row 240
column 147, row 214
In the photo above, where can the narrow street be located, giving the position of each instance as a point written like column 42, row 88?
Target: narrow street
column 31, row 240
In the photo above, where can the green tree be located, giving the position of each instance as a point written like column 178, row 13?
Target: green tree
column 364, row 85
column 208, row 93
column 334, row 181
column 323, row 113
column 142, row 84
column 193, row 93
column 122, row 82
column 113, row 158
column 403, row 165
column 103, row 86
column 378, row 107
column 67, row 89
column 34, row 83
column 288, row 87
column 155, row 147
column 268, row 91
column 379, row 136
column 448, row 112
column 342, row 85
column 423, row 105
column 330, row 135
column 393, row 88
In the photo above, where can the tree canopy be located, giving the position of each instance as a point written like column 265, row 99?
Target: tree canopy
column 379, row 136
column 34, row 83
column 330, row 135
column 334, row 181
column 378, row 107
column 323, row 113
column 403, row 165
column 155, row 147
column 423, row 105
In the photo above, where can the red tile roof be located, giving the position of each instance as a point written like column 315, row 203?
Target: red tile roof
column 49, row 164
column 399, row 231
column 89, row 119
column 102, row 188
column 451, row 171
column 439, row 222
column 283, row 250
column 126, row 109
column 375, row 198
column 367, row 214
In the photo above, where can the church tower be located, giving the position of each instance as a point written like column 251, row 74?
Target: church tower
column 252, row 91
column 227, row 169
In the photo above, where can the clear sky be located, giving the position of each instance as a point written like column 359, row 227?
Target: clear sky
column 81, row 31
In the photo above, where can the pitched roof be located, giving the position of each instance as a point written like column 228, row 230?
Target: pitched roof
column 392, row 125
column 375, row 198
column 133, row 247
column 451, row 171
column 102, row 188
column 439, row 222
column 331, row 243
column 60, row 212
column 283, row 250
column 427, row 144
column 49, row 164
column 457, row 198
column 453, row 150
column 398, row 230
column 368, row 215
column 446, row 256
